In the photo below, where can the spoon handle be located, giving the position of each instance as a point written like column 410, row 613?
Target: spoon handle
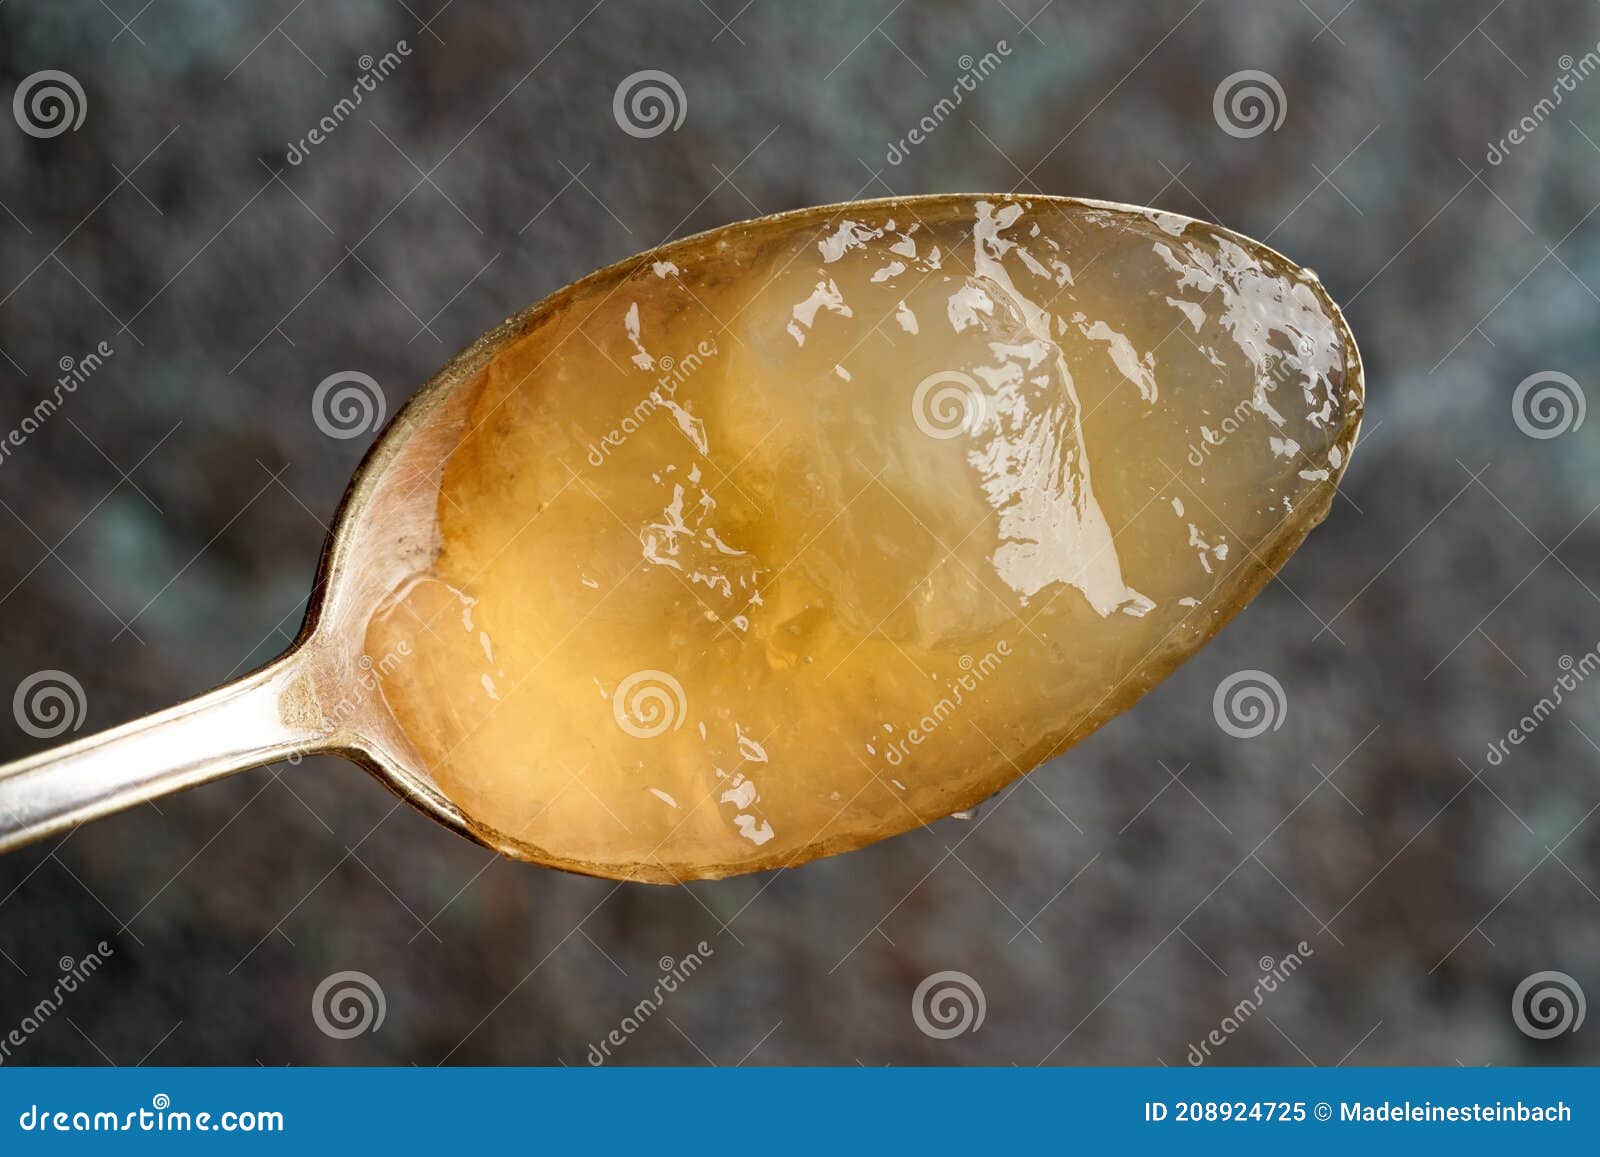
column 243, row 724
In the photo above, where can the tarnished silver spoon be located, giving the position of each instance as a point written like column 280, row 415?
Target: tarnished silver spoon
column 789, row 536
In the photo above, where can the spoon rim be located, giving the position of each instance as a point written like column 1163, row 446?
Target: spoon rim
column 417, row 787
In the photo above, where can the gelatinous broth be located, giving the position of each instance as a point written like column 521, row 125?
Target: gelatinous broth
column 767, row 546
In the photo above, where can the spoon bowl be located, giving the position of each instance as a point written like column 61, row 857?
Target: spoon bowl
column 1041, row 335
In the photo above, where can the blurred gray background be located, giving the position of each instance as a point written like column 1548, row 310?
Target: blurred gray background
column 161, row 530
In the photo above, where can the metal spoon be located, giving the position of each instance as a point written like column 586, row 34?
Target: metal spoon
column 385, row 534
